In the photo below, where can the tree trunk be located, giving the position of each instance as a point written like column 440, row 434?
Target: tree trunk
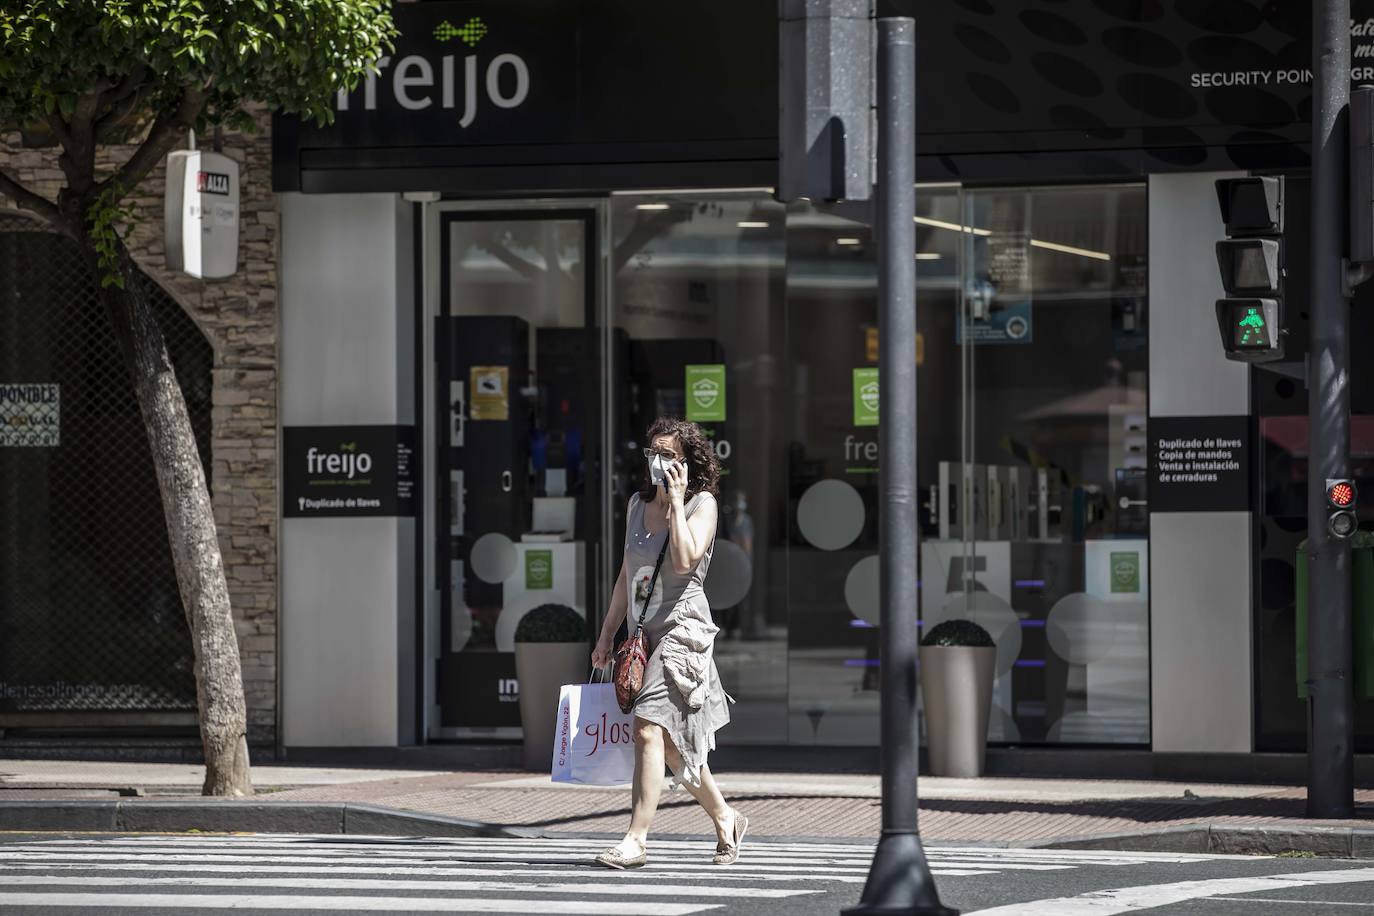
column 191, row 529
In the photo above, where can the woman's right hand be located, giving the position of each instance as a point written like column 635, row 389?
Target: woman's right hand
column 601, row 655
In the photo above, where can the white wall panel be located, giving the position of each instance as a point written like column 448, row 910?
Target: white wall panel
column 1200, row 640
column 1189, row 377
column 347, row 344
column 1202, row 684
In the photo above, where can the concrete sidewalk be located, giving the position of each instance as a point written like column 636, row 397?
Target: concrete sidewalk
column 994, row 811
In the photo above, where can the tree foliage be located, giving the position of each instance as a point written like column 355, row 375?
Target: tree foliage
column 87, row 72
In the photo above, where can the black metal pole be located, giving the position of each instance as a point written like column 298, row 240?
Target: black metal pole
column 899, row 880
column 1330, row 705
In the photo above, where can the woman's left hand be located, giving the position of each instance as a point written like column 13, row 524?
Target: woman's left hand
column 676, row 474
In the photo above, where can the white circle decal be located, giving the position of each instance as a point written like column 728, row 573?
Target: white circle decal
column 830, row 514
column 731, row 575
column 493, row 557
column 861, row 591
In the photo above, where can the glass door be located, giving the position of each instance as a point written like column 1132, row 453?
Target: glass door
column 518, row 395
column 1033, row 314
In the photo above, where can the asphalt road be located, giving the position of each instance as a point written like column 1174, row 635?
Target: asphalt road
column 151, row 874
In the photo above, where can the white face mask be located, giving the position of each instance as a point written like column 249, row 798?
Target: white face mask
column 658, row 470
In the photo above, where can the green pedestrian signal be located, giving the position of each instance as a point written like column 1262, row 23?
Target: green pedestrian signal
column 1250, row 329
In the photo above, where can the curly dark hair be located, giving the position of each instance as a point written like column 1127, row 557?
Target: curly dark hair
column 703, row 468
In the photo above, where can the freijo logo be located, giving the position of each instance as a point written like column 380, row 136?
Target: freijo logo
column 347, row 461
column 705, row 392
column 505, row 77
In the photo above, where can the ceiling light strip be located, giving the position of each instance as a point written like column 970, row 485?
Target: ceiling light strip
column 1069, row 249
column 953, row 227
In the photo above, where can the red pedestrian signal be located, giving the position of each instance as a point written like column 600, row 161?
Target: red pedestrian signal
column 1340, row 497
column 1340, row 494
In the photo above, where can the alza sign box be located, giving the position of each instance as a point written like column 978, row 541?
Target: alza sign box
column 202, row 214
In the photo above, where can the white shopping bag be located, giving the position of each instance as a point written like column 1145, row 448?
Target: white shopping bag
column 593, row 741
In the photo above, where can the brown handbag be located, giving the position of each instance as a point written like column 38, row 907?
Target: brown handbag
column 630, row 658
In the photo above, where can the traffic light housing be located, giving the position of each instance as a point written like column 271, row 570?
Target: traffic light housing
column 1341, row 496
column 1250, row 260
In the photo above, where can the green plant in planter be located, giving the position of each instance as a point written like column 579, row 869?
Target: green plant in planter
column 957, row 633
column 551, row 623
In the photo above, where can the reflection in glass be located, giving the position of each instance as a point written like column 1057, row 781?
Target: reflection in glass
column 832, row 463
column 1035, row 516
column 1032, row 353
column 518, row 448
column 696, row 292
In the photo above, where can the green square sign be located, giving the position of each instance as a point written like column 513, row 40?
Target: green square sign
column 1125, row 572
column 538, row 569
column 706, row 393
column 866, row 396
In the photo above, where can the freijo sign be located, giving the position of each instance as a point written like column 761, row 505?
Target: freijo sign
column 332, row 471
column 30, row 416
column 202, row 214
column 502, row 80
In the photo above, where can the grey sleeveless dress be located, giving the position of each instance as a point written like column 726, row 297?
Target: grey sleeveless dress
column 678, row 628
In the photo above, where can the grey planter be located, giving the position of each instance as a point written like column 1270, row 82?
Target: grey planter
column 542, row 668
column 956, row 682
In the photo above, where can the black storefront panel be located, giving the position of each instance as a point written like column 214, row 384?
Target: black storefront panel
column 507, row 91
column 532, row 95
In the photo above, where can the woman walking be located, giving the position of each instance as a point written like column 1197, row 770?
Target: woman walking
column 682, row 703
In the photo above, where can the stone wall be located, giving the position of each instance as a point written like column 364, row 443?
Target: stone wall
column 239, row 318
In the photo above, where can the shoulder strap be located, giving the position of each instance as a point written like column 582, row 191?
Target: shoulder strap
column 644, row 608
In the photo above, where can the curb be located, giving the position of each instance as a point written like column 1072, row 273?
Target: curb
column 118, row 816
column 1324, row 842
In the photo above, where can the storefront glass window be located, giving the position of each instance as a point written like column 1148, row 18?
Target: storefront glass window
column 519, row 425
column 1280, row 638
column 697, row 331
column 1031, row 452
column 832, row 463
column 1032, row 354
column 1038, row 526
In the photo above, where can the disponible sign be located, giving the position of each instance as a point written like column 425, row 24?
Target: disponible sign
column 30, row 416
column 333, row 471
column 1200, row 464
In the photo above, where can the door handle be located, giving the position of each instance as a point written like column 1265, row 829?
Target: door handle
column 507, row 481
column 1126, row 502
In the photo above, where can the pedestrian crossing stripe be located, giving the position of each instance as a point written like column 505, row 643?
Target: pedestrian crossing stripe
column 590, row 872
column 613, row 889
column 250, row 859
column 461, row 875
column 1149, row 896
column 657, row 845
column 857, row 867
column 761, row 851
column 338, row 903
